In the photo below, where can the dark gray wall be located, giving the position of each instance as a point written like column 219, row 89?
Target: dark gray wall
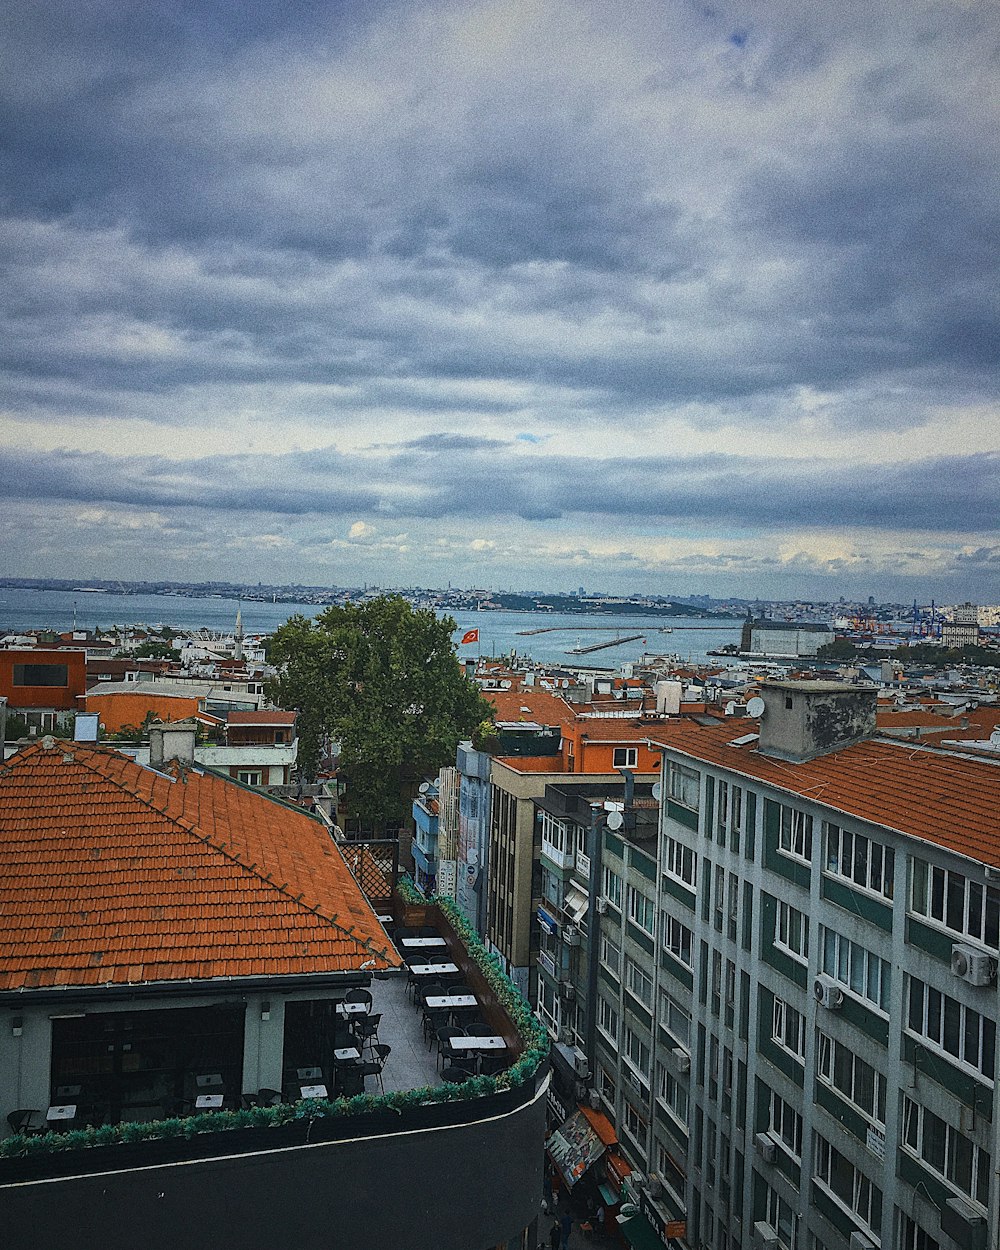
column 463, row 1187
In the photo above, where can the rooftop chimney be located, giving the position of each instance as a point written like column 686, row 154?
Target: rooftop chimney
column 803, row 719
column 173, row 741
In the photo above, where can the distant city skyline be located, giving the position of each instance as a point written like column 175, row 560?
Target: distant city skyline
column 514, row 293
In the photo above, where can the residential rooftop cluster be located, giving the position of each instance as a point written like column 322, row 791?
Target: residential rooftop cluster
column 711, row 949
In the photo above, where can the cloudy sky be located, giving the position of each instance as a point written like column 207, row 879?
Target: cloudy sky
column 658, row 296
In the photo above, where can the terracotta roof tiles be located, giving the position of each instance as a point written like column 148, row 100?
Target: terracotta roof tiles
column 110, row 873
column 941, row 797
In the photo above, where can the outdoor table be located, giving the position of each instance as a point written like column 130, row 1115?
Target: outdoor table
column 450, row 1000
column 66, row 1111
column 309, row 1074
column 346, row 1053
column 352, row 1009
column 384, row 919
column 208, row 1101
column 477, row 1043
column 432, row 970
column 313, row 1091
column 419, row 943
column 207, row 1079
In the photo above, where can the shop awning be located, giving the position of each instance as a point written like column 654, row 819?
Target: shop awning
column 576, row 902
column 640, row 1234
column 619, row 1169
column 601, row 1125
column 547, row 922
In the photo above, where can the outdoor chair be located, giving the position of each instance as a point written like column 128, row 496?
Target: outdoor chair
column 21, row 1122
column 366, row 1029
column 443, row 1038
column 359, row 996
column 455, row 1075
column 480, row 1030
column 371, row 1067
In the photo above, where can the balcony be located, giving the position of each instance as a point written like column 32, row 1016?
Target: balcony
column 371, row 1164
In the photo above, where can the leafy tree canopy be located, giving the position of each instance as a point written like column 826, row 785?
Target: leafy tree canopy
column 155, row 649
column 381, row 678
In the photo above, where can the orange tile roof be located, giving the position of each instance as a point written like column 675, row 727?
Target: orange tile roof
column 543, row 706
column 112, row 873
column 934, row 795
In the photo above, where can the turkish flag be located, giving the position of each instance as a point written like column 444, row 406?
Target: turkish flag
column 470, row 635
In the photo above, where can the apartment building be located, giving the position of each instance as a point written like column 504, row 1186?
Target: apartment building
column 797, row 1004
column 792, row 1025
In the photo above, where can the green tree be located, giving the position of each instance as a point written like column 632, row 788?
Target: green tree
column 383, row 680
column 155, row 649
column 839, row 649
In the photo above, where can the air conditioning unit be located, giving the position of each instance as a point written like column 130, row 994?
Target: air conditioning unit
column 971, row 965
column 764, row 1236
column 571, row 935
column 682, row 1058
column 581, row 1063
column 860, row 1242
column 602, row 906
column 567, row 990
column 765, row 1147
column 655, row 1186
column 827, row 992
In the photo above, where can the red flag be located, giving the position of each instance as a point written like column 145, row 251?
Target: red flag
column 470, row 635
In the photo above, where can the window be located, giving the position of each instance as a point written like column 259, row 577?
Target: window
column 548, row 1005
column 554, row 837
column 851, row 1188
column 671, row 1173
column 782, row 1219
column 635, row 1124
column 685, row 785
column 788, row 1028
column 859, row 860
column 791, row 931
column 672, row 1093
column 677, row 938
column 946, row 1151
column 641, row 910
column 607, row 1019
column 611, row 955
column 966, row 907
column 637, row 1053
column 953, row 1027
column 857, row 968
column 795, row 833
column 625, row 757
column 861, row 1084
column 913, row 1237
column 639, row 982
column 680, row 862
column 613, row 888
column 675, row 1018
column 250, row 776
column 41, row 675
column 606, row 1084
column 786, row 1125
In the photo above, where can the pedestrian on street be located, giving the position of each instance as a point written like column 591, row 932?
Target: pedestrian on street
column 555, row 1237
column 567, row 1225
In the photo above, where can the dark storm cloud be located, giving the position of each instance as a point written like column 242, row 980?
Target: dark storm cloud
column 285, row 239
column 471, row 478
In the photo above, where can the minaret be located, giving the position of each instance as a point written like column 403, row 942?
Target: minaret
column 238, row 648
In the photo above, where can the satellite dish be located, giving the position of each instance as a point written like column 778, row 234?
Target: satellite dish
column 615, row 820
column 755, row 706
column 657, row 790
column 424, row 787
